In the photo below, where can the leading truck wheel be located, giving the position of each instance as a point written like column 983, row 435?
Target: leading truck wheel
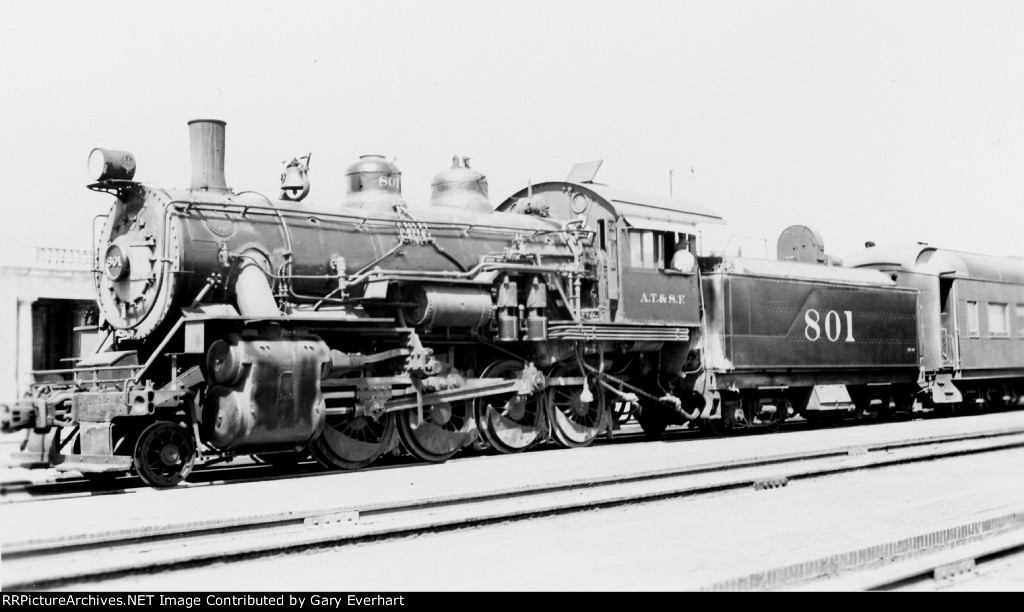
column 164, row 454
column 353, row 442
column 508, row 422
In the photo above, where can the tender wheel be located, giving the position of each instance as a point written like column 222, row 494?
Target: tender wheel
column 350, row 443
column 772, row 421
column 998, row 397
column 653, row 419
column 446, row 428
column 871, row 408
column 575, row 423
column 164, row 454
column 509, row 423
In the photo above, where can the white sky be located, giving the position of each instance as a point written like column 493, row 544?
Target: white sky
column 893, row 121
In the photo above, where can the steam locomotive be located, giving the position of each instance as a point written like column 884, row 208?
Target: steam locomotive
column 241, row 325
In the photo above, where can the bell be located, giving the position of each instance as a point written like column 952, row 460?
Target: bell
column 295, row 180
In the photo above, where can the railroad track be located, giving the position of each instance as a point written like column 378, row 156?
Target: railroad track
column 952, row 555
column 69, row 486
column 74, row 559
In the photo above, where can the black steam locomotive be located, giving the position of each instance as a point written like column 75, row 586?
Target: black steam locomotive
column 237, row 324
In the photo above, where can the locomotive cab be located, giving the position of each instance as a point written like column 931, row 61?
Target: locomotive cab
column 642, row 299
column 643, row 250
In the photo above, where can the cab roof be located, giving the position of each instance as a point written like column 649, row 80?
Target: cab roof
column 655, row 208
column 638, row 209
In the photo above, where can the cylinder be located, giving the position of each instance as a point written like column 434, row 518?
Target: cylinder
column 265, row 392
column 206, row 137
column 224, row 362
column 226, row 426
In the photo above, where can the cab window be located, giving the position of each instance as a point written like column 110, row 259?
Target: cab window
column 646, row 249
column 655, row 250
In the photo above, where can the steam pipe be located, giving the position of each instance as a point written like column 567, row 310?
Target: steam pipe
column 253, row 294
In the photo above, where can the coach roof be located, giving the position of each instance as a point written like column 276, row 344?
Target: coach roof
column 941, row 261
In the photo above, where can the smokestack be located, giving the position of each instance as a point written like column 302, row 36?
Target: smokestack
column 206, row 137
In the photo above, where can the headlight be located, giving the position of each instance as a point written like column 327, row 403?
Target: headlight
column 109, row 164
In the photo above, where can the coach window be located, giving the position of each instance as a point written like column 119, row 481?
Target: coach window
column 1020, row 321
column 972, row 319
column 998, row 320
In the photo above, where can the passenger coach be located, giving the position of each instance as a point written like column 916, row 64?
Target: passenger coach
column 971, row 320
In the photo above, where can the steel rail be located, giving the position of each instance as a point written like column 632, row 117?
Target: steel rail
column 959, row 552
column 54, row 562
